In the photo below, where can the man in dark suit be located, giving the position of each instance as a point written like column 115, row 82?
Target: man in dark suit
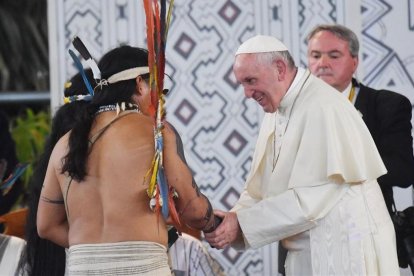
column 388, row 117
column 333, row 57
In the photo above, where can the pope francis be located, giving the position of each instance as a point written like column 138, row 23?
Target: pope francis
column 312, row 183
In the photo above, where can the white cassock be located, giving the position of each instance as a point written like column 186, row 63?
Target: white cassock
column 313, row 186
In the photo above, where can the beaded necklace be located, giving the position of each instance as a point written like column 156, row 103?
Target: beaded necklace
column 118, row 108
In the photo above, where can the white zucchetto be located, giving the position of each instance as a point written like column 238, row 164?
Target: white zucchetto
column 261, row 44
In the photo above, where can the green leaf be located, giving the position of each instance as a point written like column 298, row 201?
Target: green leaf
column 30, row 132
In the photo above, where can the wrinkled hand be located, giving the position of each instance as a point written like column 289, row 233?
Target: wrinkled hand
column 227, row 232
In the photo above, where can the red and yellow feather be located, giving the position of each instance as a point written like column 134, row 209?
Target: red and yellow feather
column 158, row 22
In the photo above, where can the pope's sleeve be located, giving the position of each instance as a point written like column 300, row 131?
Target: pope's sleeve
column 287, row 214
column 245, row 201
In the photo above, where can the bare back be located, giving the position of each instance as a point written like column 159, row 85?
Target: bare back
column 111, row 204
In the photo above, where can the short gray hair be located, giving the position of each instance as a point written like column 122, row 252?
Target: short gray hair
column 269, row 57
column 340, row 32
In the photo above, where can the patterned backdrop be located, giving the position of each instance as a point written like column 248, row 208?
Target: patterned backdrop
column 218, row 126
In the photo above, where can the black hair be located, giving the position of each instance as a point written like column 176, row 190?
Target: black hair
column 41, row 256
column 8, row 154
column 116, row 60
column 76, row 85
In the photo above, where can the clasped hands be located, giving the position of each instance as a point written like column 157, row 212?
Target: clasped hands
column 226, row 233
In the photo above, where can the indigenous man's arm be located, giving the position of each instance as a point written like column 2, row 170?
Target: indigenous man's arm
column 193, row 207
column 51, row 219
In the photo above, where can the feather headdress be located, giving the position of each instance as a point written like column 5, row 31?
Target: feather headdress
column 83, row 51
column 157, row 20
column 81, row 70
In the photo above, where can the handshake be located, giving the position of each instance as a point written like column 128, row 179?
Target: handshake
column 226, row 230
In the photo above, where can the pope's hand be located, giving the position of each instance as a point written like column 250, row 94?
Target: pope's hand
column 227, row 232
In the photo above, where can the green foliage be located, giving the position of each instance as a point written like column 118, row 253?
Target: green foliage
column 29, row 133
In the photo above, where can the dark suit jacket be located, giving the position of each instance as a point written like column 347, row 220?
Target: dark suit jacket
column 388, row 117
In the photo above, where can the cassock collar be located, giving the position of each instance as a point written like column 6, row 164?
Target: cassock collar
column 292, row 92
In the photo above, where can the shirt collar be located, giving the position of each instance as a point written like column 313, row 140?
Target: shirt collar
column 347, row 90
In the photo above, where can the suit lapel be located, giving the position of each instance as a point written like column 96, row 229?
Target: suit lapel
column 362, row 102
column 366, row 104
